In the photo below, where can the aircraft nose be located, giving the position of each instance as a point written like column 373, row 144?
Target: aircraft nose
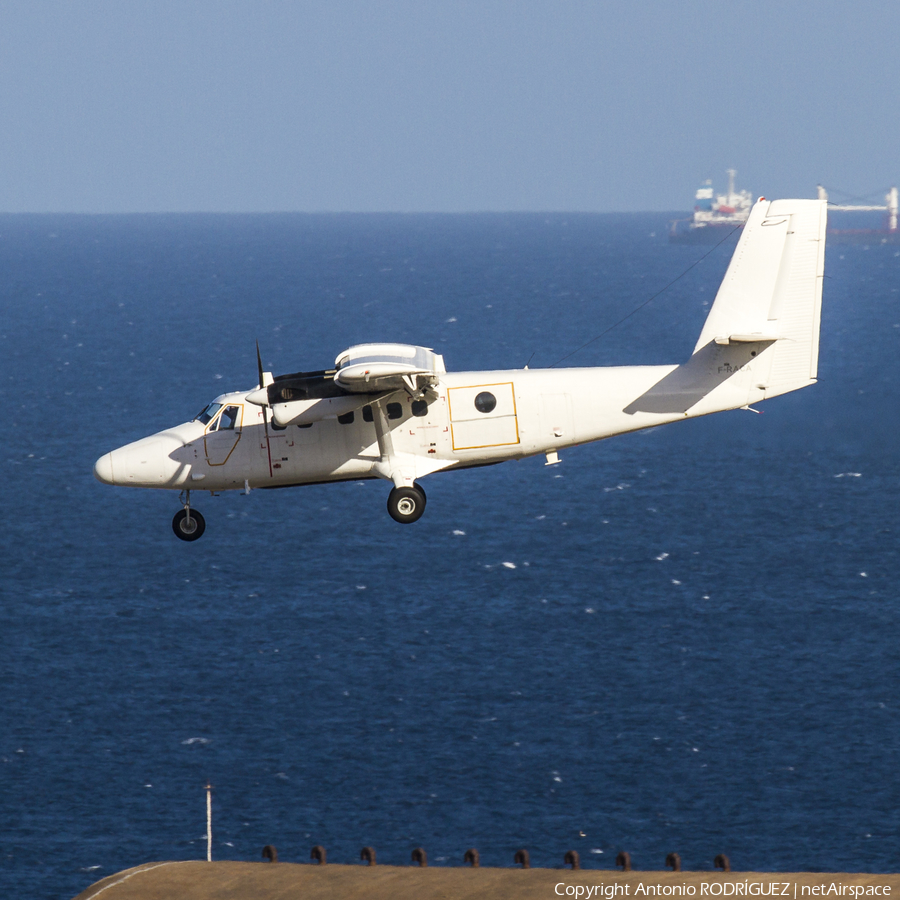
column 103, row 470
column 149, row 462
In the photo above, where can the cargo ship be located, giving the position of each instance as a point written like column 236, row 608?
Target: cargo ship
column 714, row 217
column 887, row 234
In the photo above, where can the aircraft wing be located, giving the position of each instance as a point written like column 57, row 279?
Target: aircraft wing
column 361, row 374
column 376, row 368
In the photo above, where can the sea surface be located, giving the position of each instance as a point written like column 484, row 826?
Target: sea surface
column 685, row 639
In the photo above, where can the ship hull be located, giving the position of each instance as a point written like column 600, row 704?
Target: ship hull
column 863, row 236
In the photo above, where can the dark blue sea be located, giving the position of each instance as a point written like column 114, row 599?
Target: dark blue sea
column 685, row 639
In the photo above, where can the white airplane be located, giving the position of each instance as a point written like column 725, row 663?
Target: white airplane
column 392, row 411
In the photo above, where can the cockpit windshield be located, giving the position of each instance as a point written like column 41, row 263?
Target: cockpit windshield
column 208, row 414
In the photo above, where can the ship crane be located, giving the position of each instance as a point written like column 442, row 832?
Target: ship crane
column 890, row 206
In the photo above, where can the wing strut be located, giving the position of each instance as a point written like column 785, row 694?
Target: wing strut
column 390, row 467
column 400, row 467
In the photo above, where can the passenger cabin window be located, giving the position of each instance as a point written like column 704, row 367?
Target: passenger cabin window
column 367, row 414
column 209, row 413
column 346, row 418
column 394, row 411
column 419, row 408
column 485, row 402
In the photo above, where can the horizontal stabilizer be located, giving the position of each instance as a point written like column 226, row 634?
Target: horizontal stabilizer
column 746, row 339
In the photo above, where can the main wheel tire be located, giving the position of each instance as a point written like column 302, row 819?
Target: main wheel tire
column 188, row 529
column 406, row 504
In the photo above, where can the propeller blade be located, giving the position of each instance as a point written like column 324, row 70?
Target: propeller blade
column 259, row 365
column 265, row 409
column 262, row 386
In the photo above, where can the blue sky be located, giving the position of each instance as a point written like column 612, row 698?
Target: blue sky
column 196, row 105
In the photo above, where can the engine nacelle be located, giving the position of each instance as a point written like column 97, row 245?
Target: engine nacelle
column 305, row 412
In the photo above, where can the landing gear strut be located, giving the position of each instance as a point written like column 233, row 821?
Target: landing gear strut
column 406, row 504
column 188, row 524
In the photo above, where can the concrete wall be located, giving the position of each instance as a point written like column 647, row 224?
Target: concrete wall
column 197, row 880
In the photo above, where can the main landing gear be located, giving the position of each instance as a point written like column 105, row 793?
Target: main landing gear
column 406, row 504
column 188, row 524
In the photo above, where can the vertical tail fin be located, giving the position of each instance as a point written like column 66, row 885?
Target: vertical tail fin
column 771, row 295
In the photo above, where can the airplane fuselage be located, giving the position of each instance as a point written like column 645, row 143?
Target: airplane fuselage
column 532, row 411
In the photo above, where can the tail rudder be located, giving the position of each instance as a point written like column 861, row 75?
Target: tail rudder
column 761, row 337
column 772, row 295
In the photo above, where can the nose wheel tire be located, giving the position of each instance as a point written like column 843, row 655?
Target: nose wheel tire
column 188, row 524
column 406, row 505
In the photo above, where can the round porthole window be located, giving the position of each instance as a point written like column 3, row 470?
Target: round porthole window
column 485, row 402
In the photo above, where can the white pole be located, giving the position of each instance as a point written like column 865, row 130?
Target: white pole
column 208, row 822
column 892, row 209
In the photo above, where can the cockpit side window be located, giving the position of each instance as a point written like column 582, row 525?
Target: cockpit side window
column 208, row 414
column 228, row 419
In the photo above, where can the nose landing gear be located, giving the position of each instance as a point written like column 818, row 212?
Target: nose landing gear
column 188, row 524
